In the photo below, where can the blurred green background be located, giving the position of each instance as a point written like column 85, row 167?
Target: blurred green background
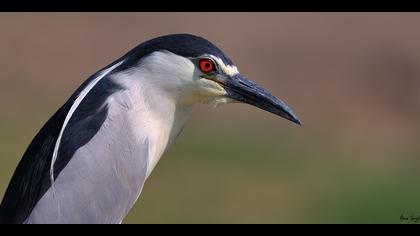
column 353, row 79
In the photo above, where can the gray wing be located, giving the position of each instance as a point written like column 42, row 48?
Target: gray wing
column 102, row 180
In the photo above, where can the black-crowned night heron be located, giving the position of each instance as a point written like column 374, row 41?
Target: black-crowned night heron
column 89, row 162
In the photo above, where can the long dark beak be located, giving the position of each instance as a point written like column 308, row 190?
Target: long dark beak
column 243, row 90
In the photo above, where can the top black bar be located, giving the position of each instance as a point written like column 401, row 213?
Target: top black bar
column 208, row 5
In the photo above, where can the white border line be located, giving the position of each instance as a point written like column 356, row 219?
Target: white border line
column 73, row 108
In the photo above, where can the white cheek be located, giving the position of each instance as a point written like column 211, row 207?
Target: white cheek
column 210, row 88
column 178, row 79
column 169, row 71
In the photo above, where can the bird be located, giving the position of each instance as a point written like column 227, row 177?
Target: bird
column 88, row 163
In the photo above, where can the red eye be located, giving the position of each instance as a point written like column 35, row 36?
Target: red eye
column 207, row 65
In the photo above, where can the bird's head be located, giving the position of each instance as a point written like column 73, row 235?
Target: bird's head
column 191, row 70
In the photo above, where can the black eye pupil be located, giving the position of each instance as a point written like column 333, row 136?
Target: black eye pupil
column 207, row 65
